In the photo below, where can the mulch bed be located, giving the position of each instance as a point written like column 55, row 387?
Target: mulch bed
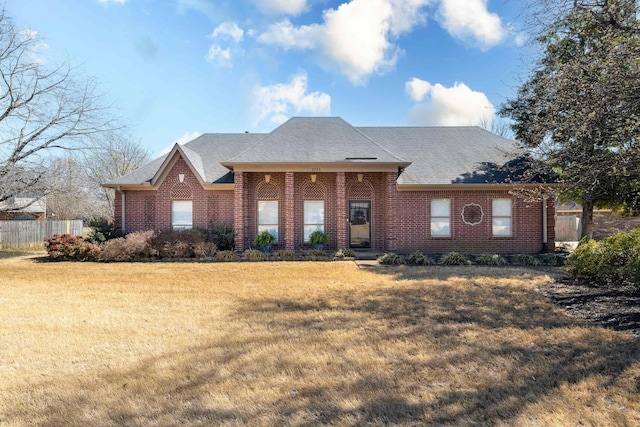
column 609, row 306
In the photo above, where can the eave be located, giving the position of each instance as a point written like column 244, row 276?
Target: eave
column 467, row 187
column 148, row 187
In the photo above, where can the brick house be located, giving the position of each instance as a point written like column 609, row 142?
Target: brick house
column 400, row 189
column 24, row 206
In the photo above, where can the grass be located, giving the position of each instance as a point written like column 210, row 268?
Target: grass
column 301, row 344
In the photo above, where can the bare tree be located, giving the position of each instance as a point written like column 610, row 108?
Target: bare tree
column 42, row 110
column 71, row 193
column 110, row 156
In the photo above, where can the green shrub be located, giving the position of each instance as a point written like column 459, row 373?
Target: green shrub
column 392, row 259
column 418, row 258
column 614, row 260
column 134, row 246
column 102, row 230
column 68, row 247
column 222, row 235
column 318, row 237
column 525, row 260
column 264, row 240
column 226, row 256
column 491, row 259
column 254, row 255
column 454, row 258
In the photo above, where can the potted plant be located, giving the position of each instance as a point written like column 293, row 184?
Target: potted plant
column 318, row 239
column 264, row 240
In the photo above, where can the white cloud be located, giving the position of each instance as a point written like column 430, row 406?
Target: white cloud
column 228, row 29
column 186, row 137
column 225, row 31
column 355, row 38
column 358, row 38
column 112, row 1
column 219, row 56
column 406, row 14
column 417, row 89
column 450, row 106
column 277, row 102
column 288, row 7
column 470, row 21
column 284, row 34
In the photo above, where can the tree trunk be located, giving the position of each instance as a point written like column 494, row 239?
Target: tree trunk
column 587, row 220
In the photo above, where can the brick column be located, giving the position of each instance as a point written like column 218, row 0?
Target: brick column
column 341, row 210
column 239, row 210
column 390, row 207
column 289, row 212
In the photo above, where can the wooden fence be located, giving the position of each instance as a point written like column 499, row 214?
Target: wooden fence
column 20, row 234
column 567, row 228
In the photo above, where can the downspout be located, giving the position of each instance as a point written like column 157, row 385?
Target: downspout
column 124, row 222
column 544, row 224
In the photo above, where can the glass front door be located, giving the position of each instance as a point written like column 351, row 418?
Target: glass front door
column 360, row 224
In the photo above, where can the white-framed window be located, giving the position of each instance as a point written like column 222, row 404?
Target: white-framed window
column 181, row 214
column 313, row 217
column 440, row 218
column 501, row 217
column 268, row 217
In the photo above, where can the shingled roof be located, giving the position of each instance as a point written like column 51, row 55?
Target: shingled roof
column 315, row 140
column 425, row 155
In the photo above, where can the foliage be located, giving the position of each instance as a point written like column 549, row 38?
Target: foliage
column 318, row 237
column 102, row 230
column 554, row 260
column 491, row 259
column 132, row 247
column 223, row 235
column 345, row 253
column 68, row 247
column 317, row 253
column 614, row 260
column 226, row 256
column 525, row 259
column 392, row 259
column 454, row 258
column 264, row 239
column 579, row 109
column 254, row 255
column 418, row 258
column 285, row 255
column 189, row 243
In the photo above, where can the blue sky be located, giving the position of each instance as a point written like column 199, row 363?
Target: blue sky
column 175, row 69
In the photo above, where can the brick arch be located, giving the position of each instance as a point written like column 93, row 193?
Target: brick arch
column 361, row 190
column 313, row 191
column 267, row 191
column 181, row 191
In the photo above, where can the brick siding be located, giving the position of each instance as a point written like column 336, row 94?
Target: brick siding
column 400, row 220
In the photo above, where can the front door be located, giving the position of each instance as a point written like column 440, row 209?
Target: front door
column 360, row 224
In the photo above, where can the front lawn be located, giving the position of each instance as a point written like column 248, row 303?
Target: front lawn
column 301, row 344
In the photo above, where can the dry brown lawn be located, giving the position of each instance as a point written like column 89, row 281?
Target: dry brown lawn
column 301, row 344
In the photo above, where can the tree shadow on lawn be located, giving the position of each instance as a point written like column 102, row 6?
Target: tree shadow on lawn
column 408, row 355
